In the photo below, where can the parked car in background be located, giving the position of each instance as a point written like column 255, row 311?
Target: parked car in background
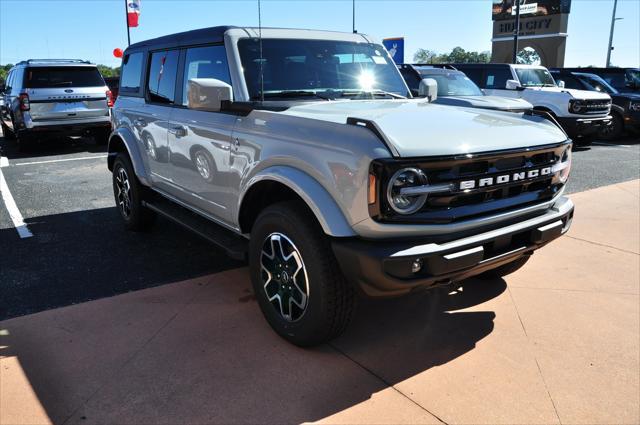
column 625, row 109
column 304, row 152
column 624, row 80
column 55, row 96
column 581, row 113
column 114, row 85
column 456, row 89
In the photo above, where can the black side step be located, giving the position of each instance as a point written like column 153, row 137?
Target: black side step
column 235, row 245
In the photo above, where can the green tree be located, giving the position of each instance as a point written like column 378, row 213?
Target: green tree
column 528, row 56
column 424, row 56
column 4, row 70
column 457, row 55
column 107, row 71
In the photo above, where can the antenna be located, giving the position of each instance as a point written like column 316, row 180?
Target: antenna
column 261, row 58
column 353, row 14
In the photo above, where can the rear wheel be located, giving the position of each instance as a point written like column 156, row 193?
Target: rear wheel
column 6, row 132
column 296, row 279
column 128, row 193
column 505, row 269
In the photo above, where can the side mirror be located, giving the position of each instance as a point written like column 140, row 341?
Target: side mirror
column 512, row 85
column 560, row 84
column 428, row 88
column 207, row 94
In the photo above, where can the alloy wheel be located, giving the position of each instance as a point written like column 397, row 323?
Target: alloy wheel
column 284, row 277
column 124, row 192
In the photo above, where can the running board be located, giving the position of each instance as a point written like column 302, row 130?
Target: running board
column 235, row 246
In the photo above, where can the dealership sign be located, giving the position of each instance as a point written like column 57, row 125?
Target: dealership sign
column 525, row 9
column 395, row 46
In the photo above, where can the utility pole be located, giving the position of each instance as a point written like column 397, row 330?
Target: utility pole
column 516, row 31
column 613, row 23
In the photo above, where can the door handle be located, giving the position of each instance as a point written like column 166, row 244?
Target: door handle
column 236, row 144
column 178, row 131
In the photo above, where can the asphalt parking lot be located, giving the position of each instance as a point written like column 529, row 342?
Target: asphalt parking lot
column 79, row 250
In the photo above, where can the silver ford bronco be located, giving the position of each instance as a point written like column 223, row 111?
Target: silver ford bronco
column 305, row 153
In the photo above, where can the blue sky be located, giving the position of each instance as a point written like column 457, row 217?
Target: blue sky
column 91, row 29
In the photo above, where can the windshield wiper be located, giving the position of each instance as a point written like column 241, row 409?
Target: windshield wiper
column 372, row 93
column 291, row 93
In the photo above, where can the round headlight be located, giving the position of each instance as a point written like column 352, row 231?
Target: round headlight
column 563, row 167
column 404, row 201
column 577, row 106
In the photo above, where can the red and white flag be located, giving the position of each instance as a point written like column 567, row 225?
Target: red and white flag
column 133, row 12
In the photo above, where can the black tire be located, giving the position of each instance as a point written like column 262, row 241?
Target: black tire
column 136, row 217
column 330, row 301
column 6, row 132
column 505, row 269
column 614, row 130
column 102, row 137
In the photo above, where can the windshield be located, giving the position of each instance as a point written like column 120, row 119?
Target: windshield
column 320, row 68
column 632, row 77
column 596, row 83
column 535, row 77
column 63, row 76
column 454, row 84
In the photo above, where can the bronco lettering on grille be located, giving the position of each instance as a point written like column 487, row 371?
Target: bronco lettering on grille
column 504, row 178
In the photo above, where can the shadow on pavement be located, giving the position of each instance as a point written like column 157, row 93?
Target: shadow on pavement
column 51, row 146
column 216, row 361
column 86, row 255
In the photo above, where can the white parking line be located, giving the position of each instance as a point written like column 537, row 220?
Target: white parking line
column 60, row 160
column 14, row 212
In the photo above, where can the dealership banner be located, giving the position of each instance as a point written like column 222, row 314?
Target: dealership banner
column 504, row 9
column 395, row 46
column 133, row 12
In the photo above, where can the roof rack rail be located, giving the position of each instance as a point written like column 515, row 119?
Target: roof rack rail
column 30, row 61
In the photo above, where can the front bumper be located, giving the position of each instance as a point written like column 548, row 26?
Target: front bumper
column 383, row 268
column 577, row 128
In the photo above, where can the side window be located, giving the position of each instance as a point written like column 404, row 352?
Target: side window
column 8, row 82
column 412, row 80
column 496, row 78
column 161, row 84
column 204, row 62
column 131, row 73
column 570, row 81
column 475, row 75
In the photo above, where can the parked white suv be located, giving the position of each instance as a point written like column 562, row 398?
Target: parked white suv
column 304, row 152
column 581, row 113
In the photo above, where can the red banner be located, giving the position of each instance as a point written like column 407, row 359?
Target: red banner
column 133, row 12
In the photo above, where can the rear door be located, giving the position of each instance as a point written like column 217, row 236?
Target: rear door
column 151, row 120
column 65, row 92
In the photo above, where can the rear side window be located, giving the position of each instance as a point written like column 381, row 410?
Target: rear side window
column 161, row 84
column 131, row 72
column 63, row 76
column 496, row 78
column 204, row 62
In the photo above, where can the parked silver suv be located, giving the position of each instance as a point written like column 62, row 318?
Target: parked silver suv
column 55, row 96
column 304, row 152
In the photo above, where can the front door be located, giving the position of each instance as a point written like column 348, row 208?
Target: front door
column 200, row 141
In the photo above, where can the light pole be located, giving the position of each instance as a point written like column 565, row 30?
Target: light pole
column 516, row 31
column 613, row 24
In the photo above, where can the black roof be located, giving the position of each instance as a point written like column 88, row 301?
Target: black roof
column 199, row 36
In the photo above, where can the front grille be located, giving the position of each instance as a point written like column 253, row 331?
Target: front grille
column 459, row 204
column 597, row 106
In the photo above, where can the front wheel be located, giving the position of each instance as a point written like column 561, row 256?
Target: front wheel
column 295, row 276
column 128, row 193
column 614, row 130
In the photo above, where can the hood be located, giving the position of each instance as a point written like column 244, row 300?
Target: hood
column 416, row 127
column 627, row 96
column 577, row 94
column 486, row 102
